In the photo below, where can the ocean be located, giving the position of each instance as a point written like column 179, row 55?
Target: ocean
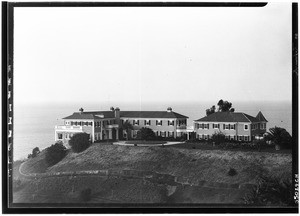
column 34, row 123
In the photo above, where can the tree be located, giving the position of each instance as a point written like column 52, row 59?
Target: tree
column 55, row 153
column 35, row 151
column 224, row 106
column 218, row 137
column 147, row 134
column 127, row 127
column 280, row 137
column 79, row 142
column 211, row 110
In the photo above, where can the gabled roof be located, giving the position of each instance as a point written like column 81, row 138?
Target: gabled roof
column 91, row 115
column 150, row 114
column 228, row 117
column 124, row 114
column 261, row 117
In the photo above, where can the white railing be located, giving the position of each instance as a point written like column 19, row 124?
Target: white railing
column 65, row 127
column 112, row 126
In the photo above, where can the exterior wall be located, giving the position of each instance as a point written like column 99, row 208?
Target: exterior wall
column 67, row 130
column 258, row 131
column 164, row 127
column 238, row 131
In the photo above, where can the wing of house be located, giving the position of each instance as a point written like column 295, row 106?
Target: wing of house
column 235, row 125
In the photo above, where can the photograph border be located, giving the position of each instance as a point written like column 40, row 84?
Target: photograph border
column 8, row 119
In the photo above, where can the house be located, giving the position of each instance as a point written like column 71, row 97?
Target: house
column 235, row 125
column 105, row 125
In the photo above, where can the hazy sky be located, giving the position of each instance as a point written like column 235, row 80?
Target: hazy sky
column 152, row 54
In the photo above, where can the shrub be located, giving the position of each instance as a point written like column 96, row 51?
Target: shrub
column 55, row 153
column 80, row 142
column 146, row 134
column 85, row 195
column 232, row 172
column 271, row 190
column 279, row 136
column 218, row 137
column 34, row 153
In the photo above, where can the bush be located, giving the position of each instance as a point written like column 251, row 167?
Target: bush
column 85, row 195
column 279, row 136
column 35, row 152
column 271, row 190
column 55, row 153
column 218, row 137
column 79, row 142
column 232, row 172
column 146, row 134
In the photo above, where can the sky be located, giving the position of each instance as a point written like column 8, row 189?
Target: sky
column 152, row 54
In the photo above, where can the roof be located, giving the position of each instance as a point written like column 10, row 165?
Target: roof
column 229, row 117
column 124, row 114
column 150, row 114
column 91, row 115
column 261, row 117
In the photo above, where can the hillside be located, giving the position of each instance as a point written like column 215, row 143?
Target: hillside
column 189, row 165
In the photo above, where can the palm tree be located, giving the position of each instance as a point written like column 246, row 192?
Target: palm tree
column 127, row 127
column 280, row 137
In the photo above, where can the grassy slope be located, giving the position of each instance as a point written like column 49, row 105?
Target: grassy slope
column 187, row 163
column 193, row 164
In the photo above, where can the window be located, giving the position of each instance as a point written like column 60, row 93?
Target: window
column 91, row 123
column 135, row 122
column 241, row 138
column 246, row 138
column 59, row 136
column 226, row 126
column 206, row 126
column 246, row 127
column 147, row 122
column 216, row 126
column 232, row 127
column 263, row 126
column 156, row 133
column 170, row 134
column 231, row 137
column 159, row 122
column 171, row 122
column 163, row 133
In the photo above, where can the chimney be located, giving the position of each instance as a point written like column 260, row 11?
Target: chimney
column 81, row 110
column 112, row 108
column 169, row 109
column 117, row 114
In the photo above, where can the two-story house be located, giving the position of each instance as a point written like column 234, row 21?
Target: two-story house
column 235, row 126
column 104, row 125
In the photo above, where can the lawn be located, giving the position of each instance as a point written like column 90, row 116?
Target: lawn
column 188, row 165
column 209, row 146
column 145, row 142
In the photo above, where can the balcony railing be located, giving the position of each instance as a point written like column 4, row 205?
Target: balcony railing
column 65, row 127
column 112, row 126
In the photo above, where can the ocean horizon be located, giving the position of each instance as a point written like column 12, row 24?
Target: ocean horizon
column 34, row 123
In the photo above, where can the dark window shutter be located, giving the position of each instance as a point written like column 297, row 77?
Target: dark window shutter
column 145, row 122
column 168, row 122
column 156, row 122
column 149, row 122
column 138, row 121
column 223, row 126
column 207, row 126
column 219, row 126
column 234, row 127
